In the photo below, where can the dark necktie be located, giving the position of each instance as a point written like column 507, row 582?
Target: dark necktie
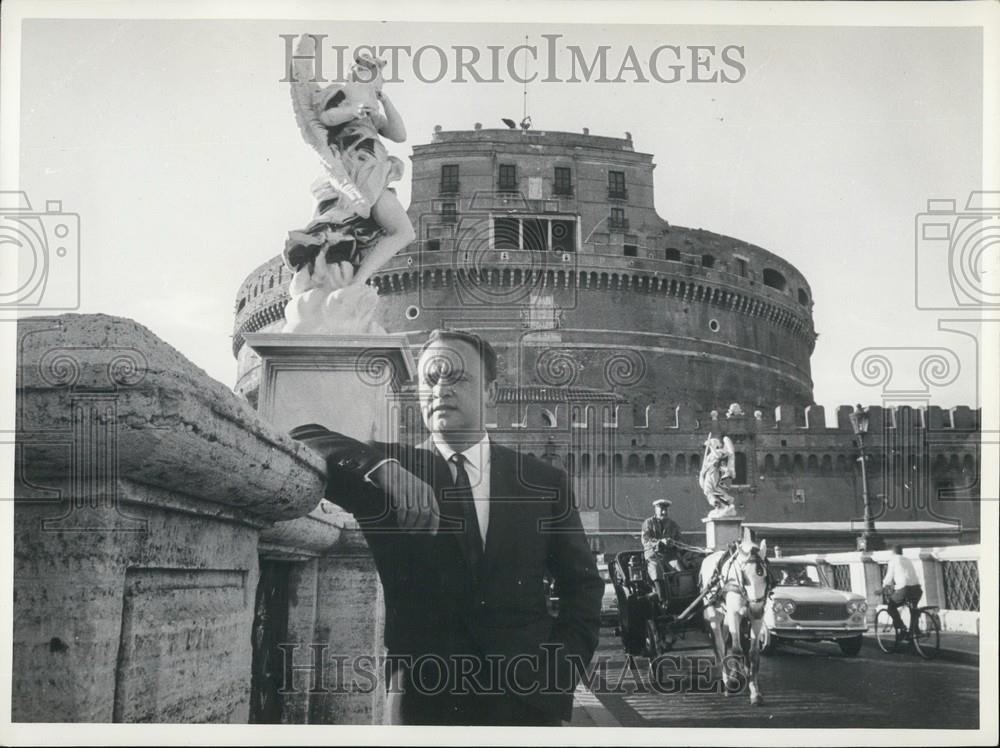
column 463, row 493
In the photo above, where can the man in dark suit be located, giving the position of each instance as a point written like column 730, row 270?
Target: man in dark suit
column 462, row 531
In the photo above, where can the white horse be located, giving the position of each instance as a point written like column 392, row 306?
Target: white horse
column 739, row 585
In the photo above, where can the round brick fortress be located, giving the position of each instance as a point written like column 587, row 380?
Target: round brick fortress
column 549, row 245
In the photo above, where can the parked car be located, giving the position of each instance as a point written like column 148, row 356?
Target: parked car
column 804, row 606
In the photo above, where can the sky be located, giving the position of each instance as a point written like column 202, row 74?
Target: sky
column 175, row 143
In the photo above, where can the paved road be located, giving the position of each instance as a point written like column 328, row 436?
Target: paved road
column 807, row 685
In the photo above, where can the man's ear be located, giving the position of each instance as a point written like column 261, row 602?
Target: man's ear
column 491, row 394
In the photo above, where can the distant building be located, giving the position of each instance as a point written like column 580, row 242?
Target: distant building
column 624, row 340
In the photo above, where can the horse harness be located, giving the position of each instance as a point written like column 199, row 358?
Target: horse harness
column 724, row 581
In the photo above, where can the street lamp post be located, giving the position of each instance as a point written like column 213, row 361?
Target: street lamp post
column 869, row 540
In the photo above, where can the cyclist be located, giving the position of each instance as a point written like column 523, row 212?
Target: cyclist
column 900, row 585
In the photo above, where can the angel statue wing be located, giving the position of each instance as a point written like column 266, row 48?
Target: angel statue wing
column 729, row 469
column 308, row 99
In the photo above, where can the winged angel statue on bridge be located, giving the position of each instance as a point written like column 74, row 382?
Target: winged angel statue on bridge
column 718, row 469
column 358, row 223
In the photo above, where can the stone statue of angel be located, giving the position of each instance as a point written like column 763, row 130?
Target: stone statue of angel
column 718, row 469
column 358, row 223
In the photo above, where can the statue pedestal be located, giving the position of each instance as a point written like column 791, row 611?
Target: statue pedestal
column 721, row 531
column 343, row 382
column 346, row 383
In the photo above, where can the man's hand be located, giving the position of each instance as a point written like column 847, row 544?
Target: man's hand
column 410, row 498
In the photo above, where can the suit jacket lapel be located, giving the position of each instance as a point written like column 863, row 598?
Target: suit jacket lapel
column 503, row 482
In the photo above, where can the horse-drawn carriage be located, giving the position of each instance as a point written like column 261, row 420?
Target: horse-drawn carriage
column 724, row 590
column 646, row 627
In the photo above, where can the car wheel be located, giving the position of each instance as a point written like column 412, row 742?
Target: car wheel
column 850, row 647
column 768, row 641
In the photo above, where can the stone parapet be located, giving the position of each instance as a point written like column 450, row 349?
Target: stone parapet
column 142, row 487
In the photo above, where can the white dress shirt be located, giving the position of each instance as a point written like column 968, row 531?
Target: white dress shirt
column 901, row 573
column 477, row 466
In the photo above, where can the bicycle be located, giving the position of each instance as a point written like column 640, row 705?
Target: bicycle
column 923, row 631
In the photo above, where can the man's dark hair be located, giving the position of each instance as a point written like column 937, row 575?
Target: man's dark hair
column 486, row 352
column 898, row 550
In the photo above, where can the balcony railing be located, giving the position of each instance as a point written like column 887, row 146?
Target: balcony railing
column 618, row 224
column 450, row 187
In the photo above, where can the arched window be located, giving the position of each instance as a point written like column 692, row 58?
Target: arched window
column 784, row 464
column 769, row 465
column 570, row 464
column 617, row 464
column 803, row 298
column 969, row 466
column 680, row 464
column 664, row 464
column 601, row 463
column 585, row 464
column 798, row 465
column 650, row 465
column 694, row 464
column 812, row 464
column 633, row 464
column 826, row 466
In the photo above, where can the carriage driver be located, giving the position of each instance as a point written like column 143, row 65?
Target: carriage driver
column 657, row 533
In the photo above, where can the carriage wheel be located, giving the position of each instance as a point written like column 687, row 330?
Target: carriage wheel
column 652, row 648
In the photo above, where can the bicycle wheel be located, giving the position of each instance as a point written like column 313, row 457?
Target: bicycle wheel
column 927, row 637
column 885, row 632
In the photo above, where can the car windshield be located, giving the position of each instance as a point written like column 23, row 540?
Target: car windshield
column 796, row 575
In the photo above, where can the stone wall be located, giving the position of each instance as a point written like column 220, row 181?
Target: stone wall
column 147, row 496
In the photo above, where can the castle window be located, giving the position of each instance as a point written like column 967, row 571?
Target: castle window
column 432, row 245
column 449, row 178
column 672, row 255
column 563, row 236
column 741, row 267
column 243, row 303
column 774, row 279
column 741, row 469
column 563, row 182
column 664, row 464
column 803, row 298
column 508, row 177
column 707, row 261
column 533, row 233
column 631, row 250
column 617, row 219
column 650, row 465
column 449, row 212
column 616, row 185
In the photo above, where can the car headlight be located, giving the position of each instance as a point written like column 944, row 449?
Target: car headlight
column 784, row 606
column 857, row 606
